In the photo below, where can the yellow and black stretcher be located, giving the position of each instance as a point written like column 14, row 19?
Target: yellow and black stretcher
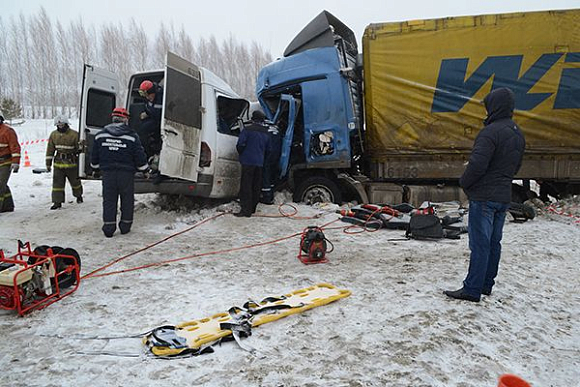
column 197, row 336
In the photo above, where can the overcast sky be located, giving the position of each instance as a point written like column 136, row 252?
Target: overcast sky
column 272, row 23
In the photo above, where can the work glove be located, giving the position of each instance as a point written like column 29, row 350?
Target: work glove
column 143, row 115
column 15, row 168
column 48, row 168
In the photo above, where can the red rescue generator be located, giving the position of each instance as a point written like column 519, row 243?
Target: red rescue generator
column 34, row 279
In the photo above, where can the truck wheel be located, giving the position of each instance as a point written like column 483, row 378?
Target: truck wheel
column 317, row 189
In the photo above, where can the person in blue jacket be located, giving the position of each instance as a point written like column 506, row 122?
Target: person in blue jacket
column 487, row 181
column 117, row 152
column 150, row 126
column 253, row 147
column 270, row 171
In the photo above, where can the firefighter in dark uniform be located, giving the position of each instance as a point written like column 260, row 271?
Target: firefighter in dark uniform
column 150, row 127
column 63, row 148
column 9, row 162
column 253, row 147
column 117, row 152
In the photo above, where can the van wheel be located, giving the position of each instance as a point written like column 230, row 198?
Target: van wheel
column 317, row 189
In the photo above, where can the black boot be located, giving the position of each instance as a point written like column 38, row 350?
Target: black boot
column 460, row 294
column 79, row 199
column 56, row 206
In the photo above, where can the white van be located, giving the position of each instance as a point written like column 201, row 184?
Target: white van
column 200, row 125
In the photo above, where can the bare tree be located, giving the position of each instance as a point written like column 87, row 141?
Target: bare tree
column 44, row 47
column 185, row 46
column 3, row 57
column 41, row 61
column 165, row 42
column 19, row 62
column 139, row 44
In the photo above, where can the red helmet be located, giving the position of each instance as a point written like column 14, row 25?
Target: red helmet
column 147, row 86
column 120, row 112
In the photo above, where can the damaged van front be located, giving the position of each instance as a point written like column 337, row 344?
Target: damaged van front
column 199, row 127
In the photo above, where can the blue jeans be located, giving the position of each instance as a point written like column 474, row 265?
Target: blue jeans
column 485, row 227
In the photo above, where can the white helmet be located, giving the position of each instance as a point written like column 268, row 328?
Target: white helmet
column 60, row 120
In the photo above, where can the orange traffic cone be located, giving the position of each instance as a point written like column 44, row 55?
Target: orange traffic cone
column 26, row 159
column 508, row 380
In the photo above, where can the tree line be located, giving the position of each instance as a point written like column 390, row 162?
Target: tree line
column 41, row 61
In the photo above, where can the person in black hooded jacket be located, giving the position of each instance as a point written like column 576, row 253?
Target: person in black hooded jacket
column 495, row 158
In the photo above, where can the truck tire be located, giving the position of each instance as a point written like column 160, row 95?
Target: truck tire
column 317, row 189
column 522, row 211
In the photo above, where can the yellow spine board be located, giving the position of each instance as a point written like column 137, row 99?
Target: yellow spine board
column 199, row 333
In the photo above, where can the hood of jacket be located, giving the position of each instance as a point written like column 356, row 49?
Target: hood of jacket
column 118, row 129
column 499, row 104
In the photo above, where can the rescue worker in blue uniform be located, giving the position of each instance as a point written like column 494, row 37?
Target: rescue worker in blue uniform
column 253, row 147
column 117, row 152
column 150, row 127
column 270, row 170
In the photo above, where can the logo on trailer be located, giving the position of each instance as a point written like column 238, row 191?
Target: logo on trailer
column 453, row 90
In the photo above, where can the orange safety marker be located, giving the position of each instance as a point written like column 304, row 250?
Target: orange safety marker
column 508, row 380
column 26, row 159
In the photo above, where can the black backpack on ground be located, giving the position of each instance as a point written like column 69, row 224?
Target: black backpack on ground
column 425, row 227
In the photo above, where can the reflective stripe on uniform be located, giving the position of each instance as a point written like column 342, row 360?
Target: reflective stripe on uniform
column 126, row 221
column 65, row 147
column 108, row 135
column 57, row 189
column 64, row 166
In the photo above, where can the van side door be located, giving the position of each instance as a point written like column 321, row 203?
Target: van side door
column 100, row 95
column 181, row 119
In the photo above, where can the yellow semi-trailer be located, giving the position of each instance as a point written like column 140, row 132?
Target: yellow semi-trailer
column 409, row 113
column 424, row 81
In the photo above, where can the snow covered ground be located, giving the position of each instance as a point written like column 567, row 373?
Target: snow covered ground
column 396, row 329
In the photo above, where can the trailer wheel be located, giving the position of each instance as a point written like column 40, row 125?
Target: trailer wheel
column 43, row 250
column 66, row 280
column 317, row 189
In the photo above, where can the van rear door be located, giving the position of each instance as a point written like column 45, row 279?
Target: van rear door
column 100, row 94
column 181, row 119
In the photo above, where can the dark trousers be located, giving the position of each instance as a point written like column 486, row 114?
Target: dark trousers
column 485, row 227
column 59, row 176
column 150, row 136
column 118, row 184
column 6, row 202
column 250, row 188
column 268, row 180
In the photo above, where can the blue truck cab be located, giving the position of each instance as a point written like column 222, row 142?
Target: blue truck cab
column 313, row 94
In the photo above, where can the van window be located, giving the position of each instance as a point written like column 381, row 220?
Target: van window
column 228, row 112
column 183, row 99
column 100, row 104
